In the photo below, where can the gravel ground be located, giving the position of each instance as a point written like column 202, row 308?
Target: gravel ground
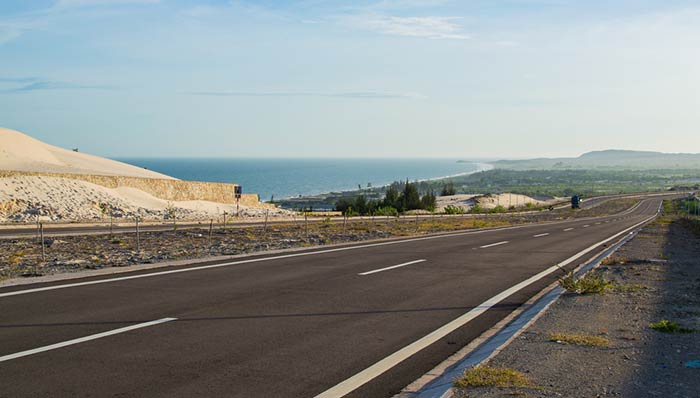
column 661, row 271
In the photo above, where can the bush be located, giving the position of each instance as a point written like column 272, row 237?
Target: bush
column 587, row 284
column 387, row 211
column 452, row 209
column 476, row 209
column 667, row 326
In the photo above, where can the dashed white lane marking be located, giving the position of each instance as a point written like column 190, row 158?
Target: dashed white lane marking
column 597, row 223
column 568, row 229
column 347, row 386
column 84, row 339
column 494, row 244
column 392, row 267
column 586, row 226
column 540, row 235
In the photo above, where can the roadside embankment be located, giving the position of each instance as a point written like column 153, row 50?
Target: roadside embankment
column 84, row 197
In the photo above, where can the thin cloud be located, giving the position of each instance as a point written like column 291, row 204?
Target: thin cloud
column 349, row 94
column 95, row 3
column 426, row 27
column 29, row 84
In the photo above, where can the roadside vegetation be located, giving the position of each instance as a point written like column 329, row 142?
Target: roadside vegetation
column 666, row 326
column 590, row 283
column 398, row 198
column 488, row 376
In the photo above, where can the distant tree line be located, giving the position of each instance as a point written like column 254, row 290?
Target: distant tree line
column 399, row 197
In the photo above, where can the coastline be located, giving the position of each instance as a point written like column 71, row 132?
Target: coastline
column 321, row 201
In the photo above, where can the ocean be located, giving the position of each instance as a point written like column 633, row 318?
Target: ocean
column 285, row 178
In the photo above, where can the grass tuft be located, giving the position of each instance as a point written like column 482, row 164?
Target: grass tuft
column 487, row 376
column 666, row 326
column 587, row 284
column 579, row 339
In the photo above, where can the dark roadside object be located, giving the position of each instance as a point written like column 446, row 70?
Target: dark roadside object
column 575, row 202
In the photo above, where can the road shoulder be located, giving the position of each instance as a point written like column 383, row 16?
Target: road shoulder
column 655, row 277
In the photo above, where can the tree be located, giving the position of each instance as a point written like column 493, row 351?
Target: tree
column 391, row 197
column 448, row 189
column 428, row 202
column 409, row 198
column 361, row 205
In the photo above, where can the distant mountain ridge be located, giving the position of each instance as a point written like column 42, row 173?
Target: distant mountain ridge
column 606, row 159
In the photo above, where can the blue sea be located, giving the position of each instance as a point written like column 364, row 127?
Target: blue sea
column 285, row 178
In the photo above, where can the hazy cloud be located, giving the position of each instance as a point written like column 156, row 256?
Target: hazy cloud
column 427, row 27
column 28, row 84
column 349, row 94
column 92, row 3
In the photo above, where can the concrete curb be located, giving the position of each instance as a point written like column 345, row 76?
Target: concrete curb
column 437, row 383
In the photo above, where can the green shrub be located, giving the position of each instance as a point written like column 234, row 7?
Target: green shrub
column 666, row 326
column 452, row 209
column 587, row 284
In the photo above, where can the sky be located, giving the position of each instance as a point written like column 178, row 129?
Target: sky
column 368, row 78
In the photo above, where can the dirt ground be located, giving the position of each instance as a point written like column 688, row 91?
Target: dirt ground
column 657, row 276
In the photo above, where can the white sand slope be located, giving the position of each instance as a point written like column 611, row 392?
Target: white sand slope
column 54, row 198
column 490, row 201
column 22, row 198
column 20, row 152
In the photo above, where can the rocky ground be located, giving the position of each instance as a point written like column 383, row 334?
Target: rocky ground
column 655, row 277
column 23, row 257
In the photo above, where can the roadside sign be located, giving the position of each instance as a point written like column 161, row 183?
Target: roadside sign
column 238, row 191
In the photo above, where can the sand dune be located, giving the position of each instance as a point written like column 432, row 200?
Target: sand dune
column 55, row 198
column 20, row 152
column 22, row 198
column 490, row 201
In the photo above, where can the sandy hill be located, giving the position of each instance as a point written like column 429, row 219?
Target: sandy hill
column 21, row 152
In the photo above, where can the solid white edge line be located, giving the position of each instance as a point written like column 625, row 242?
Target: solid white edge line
column 255, row 260
column 359, row 379
column 83, row 339
column 540, row 235
column 494, row 244
column 392, row 267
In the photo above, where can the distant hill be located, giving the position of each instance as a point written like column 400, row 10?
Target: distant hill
column 608, row 159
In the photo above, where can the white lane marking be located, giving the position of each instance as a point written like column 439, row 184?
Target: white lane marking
column 586, row 226
column 597, row 223
column 345, row 387
column 284, row 256
column 256, row 260
column 84, row 339
column 568, row 229
column 392, row 267
column 540, row 235
column 493, row 244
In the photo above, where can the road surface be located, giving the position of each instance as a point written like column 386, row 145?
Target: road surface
column 365, row 319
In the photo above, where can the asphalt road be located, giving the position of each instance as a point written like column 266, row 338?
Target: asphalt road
column 293, row 325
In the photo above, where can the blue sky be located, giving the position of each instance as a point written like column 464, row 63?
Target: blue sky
column 384, row 78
